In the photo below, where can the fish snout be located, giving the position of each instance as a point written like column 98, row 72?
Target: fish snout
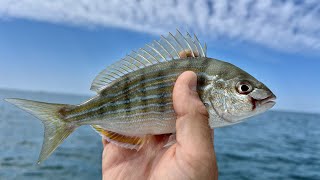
column 270, row 99
column 262, row 99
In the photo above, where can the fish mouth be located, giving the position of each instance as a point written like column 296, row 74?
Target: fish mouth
column 269, row 101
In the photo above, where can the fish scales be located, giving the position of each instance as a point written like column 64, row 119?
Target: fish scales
column 145, row 91
column 134, row 95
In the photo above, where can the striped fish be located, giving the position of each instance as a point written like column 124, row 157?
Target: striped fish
column 134, row 95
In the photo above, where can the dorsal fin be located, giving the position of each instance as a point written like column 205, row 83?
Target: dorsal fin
column 168, row 48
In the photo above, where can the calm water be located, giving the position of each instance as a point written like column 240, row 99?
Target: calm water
column 275, row 145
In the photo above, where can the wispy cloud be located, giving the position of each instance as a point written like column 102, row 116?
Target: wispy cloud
column 284, row 25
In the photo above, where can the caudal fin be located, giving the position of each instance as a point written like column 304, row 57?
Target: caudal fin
column 55, row 129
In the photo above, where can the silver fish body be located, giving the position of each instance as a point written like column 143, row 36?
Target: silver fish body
column 134, row 95
column 141, row 102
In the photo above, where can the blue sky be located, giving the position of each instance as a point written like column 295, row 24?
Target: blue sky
column 43, row 52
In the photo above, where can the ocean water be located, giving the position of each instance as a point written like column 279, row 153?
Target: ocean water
column 274, row 145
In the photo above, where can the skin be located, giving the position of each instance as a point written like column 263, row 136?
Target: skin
column 192, row 156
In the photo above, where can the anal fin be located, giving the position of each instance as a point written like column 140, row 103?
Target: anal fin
column 171, row 140
column 129, row 142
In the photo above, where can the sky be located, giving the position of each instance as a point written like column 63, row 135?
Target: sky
column 60, row 46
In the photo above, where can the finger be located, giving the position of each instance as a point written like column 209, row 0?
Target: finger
column 193, row 131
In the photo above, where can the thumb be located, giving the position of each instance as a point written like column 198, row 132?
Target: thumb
column 193, row 131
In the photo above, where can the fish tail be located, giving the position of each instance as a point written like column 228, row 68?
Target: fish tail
column 55, row 128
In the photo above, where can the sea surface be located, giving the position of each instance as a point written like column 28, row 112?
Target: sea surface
column 274, row 145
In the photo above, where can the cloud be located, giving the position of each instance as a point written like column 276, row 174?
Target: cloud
column 290, row 25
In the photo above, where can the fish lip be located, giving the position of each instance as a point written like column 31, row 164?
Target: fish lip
column 270, row 99
column 257, row 103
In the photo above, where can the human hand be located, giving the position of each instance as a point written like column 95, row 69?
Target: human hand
column 191, row 157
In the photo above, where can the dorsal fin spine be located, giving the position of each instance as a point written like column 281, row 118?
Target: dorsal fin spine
column 142, row 49
column 166, row 40
column 187, row 43
column 193, row 42
column 110, row 74
column 122, row 68
column 197, row 41
column 153, row 49
column 134, row 59
column 119, row 68
column 164, row 49
column 175, row 39
column 119, row 74
column 130, row 63
column 123, row 63
column 205, row 49
column 114, row 71
column 107, row 79
column 138, row 54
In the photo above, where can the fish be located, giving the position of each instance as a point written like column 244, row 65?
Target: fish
column 134, row 95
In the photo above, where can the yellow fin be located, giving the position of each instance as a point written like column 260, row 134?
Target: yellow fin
column 129, row 142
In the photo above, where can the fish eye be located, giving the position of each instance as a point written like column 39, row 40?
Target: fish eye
column 244, row 87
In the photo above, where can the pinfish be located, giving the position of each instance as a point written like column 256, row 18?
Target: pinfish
column 134, row 95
